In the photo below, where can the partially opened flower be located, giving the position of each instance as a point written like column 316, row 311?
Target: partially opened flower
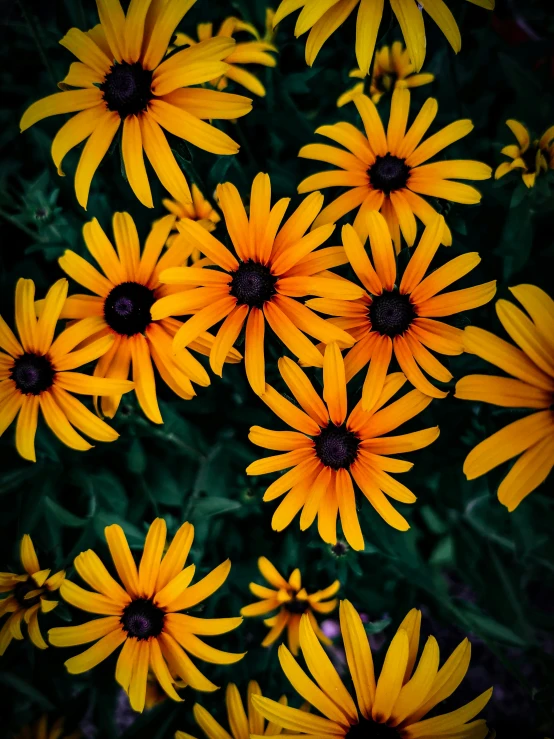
column 290, row 600
column 199, row 209
column 43, row 728
column 392, row 706
column 241, row 720
column 254, row 51
column 398, row 316
column 123, row 79
column 25, row 595
column 323, row 18
column 329, row 447
column 272, row 267
column 391, row 68
column 386, row 172
column 144, row 614
column 120, row 309
column 530, row 385
column 37, row 373
column 528, row 157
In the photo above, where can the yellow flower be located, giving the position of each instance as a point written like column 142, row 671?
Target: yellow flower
column 399, row 316
column 392, row 68
column 35, row 373
column 392, row 705
column 241, row 722
column 143, row 615
column 329, row 447
column 530, row 158
column 386, row 172
column 120, row 309
column 291, row 600
column 245, row 52
column 323, row 17
column 25, row 595
column 274, row 266
column 199, row 209
column 41, row 729
column 123, row 79
column 531, row 385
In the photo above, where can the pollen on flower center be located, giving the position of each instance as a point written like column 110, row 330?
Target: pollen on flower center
column 369, row 729
column 388, row 173
column 391, row 313
column 253, row 284
column 32, row 374
column 296, row 606
column 127, row 88
column 22, row 589
column 127, row 308
column 337, row 447
column 142, row 619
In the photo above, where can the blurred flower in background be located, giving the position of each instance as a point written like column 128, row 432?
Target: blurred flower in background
column 528, row 157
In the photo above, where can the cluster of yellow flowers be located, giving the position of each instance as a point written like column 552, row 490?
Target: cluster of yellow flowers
column 155, row 306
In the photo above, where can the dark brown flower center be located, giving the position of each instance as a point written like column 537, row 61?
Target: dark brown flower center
column 32, row 374
column 388, row 173
column 391, row 313
column 337, row 447
column 252, row 284
column 142, row 619
column 297, row 606
column 127, row 88
column 530, row 158
column 22, row 589
column 369, row 729
column 127, row 308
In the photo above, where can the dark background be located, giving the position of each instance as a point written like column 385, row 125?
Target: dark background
column 472, row 567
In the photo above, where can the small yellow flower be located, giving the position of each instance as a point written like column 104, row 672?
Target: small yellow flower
column 42, row 729
column 26, row 594
column 199, row 209
column 291, row 600
column 241, row 721
column 245, row 52
column 531, row 158
column 392, row 68
column 392, row 706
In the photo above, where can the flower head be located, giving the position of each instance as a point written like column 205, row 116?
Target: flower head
column 272, row 267
column 43, row 728
column 290, row 600
column 199, row 209
column 122, row 79
column 121, row 309
column 392, row 68
column 530, row 385
column 36, row 373
column 255, row 51
column 329, row 447
column 323, row 18
column 386, row 172
column 25, row 595
column 393, row 706
column 531, row 158
column 143, row 614
column 241, row 720
column 399, row 315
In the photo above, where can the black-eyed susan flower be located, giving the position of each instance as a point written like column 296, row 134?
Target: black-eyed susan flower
column 386, row 172
column 399, row 316
column 144, row 614
column 530, row 385
column 120, row 308
column 529, row 158
column 329, row 447
column 391, row 68
column 272, row 267
column 44, row 728
column 23, row 596
column 199, row 209
column 323, row 18
column 392, row 706
column 37, row 373
column 254, row 51
column 122, row 79
column 290, row 600
column 242, row 720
